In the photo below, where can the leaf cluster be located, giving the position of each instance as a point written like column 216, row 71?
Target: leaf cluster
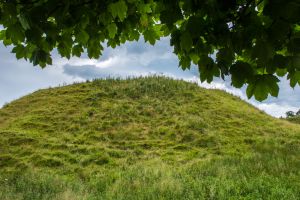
column 254, row 41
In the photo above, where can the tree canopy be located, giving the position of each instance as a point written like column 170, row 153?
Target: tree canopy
column 254, row 41
column 291, row 114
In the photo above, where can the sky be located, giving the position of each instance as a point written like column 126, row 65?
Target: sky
column 19, row 77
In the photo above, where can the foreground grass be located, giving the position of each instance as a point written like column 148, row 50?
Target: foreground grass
column 146, row 138
column 256, row 177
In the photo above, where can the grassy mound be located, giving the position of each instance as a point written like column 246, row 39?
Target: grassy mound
column 144, row 138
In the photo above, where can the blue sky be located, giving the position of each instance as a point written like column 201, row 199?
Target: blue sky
column 19, row 77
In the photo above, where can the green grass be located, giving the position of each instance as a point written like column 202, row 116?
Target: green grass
column 144, row 138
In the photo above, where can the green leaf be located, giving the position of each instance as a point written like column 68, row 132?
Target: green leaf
column 34, row 34
column 294, row 78
column 294, row 62
column 112, row 30
column 144, row 20
column 281, row 72
column 15, row 33
column 186, row 41
column 280, row 61
column 144, row 8
column 77, row 50
column 262, row 85
column 94, row 49
column 171, row 15
column 49, row 60
column 195, row 26
column 2, row 34
column 185, row 62
column 294, row 45
column 134, row 35
column 118, row 9
column 195, row 57
column 39, row 57
column 82, row 36
column 271, row 81
column 208, row 69
column 84, row 21
column 240, row 73
column 250, row 90
column 111, row 43
column 20, row 51
column 64, row 49
column 260, row 91
column 150, row 35
column 24, row 22
column 262, row 52
column 225, row 56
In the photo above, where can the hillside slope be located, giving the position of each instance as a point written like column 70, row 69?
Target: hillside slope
column 144, row 138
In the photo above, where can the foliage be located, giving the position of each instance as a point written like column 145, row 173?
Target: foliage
column 293, row 116
column 290, row 114
column 295, row 120
column 254, row 41
column 144, row 138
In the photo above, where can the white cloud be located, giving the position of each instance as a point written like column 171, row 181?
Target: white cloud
column 275, row 109
column 18, row 77
column 216, row 85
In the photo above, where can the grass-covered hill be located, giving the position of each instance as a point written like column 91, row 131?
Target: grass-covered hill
column 144, row 138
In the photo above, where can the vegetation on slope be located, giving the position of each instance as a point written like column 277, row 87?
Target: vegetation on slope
column 295, row 120
column 293, row 117
column 144, row 138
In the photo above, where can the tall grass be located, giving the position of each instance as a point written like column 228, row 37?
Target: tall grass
column 224, row 178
